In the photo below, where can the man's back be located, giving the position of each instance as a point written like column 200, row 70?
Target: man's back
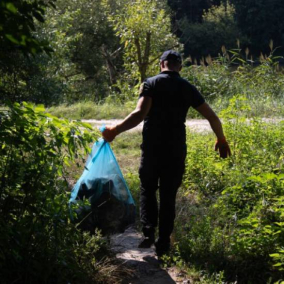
column 171, row 97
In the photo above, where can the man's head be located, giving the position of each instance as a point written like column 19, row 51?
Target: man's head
column 171, row 60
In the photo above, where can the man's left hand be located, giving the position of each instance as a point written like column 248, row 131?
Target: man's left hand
column 223, row 148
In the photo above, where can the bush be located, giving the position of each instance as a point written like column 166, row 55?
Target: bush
column 218, row 28
column 235, row 219
column 39, row 243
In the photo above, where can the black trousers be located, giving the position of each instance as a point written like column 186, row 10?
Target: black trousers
column 161, row 169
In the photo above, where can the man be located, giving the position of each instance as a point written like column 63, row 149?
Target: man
column 163, row 104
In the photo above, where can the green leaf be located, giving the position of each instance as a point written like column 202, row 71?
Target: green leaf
column 12, row 39
column 278, row 264
column 39, row 108
column 11, row 7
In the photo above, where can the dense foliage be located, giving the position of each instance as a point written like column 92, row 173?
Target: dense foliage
column 39, row 243
column 218, row 28
column 220, row 79
column 232, row 211
column 88, row 51
column 17, row 45
column 260, row 21
column 257, row 23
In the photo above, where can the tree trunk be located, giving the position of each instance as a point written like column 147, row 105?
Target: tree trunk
column 110, row 66
column 143, row 62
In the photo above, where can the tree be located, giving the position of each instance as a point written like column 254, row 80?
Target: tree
column 17, row 22
column 18, row 43
column 191, row 10
column 85, row 62
column 261, row 21
column 145, row 32
column 218, row 28
column 86, row 56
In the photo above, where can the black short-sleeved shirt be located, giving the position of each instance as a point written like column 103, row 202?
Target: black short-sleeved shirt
column 164, row 126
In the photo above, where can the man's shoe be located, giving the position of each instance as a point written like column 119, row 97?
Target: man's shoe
column 162, row 248
column 147, row 242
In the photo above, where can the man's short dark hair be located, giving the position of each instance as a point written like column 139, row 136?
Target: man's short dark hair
column 172, row 64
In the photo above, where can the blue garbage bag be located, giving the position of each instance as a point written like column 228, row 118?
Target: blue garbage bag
column 112, row 207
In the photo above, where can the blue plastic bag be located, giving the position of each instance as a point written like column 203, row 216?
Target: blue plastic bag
column 112, row 207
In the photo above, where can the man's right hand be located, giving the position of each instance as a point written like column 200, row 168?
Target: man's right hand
column 223, row 147
column 109, row 133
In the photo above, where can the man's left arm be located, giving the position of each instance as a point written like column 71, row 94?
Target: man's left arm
column 216, row 125
column 133, row 119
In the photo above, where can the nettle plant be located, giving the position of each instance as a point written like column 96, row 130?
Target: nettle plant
column 38, row 240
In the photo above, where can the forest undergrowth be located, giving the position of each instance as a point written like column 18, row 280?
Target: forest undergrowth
column 39, row 242
column 230, row 219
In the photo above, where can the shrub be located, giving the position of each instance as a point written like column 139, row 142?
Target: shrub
column 38, row 241
column 235, row 220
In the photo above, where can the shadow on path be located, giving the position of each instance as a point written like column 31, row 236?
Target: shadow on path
column 143, row 262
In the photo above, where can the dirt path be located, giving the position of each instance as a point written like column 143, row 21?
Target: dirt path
column 196, row 125
column 144, row 263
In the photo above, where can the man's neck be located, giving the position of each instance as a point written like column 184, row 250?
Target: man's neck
column 169, row 70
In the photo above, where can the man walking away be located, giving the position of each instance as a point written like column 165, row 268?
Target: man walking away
column 163, row 104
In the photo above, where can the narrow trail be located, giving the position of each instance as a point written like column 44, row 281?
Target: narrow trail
column 143, row 262
column 195, row 125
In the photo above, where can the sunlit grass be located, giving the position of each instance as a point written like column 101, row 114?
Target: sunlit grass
column 91, row 110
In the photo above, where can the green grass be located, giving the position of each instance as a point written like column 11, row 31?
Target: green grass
column 91, row 110
column 203, row 231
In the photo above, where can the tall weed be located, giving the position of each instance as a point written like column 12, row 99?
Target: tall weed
column 222, row 78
